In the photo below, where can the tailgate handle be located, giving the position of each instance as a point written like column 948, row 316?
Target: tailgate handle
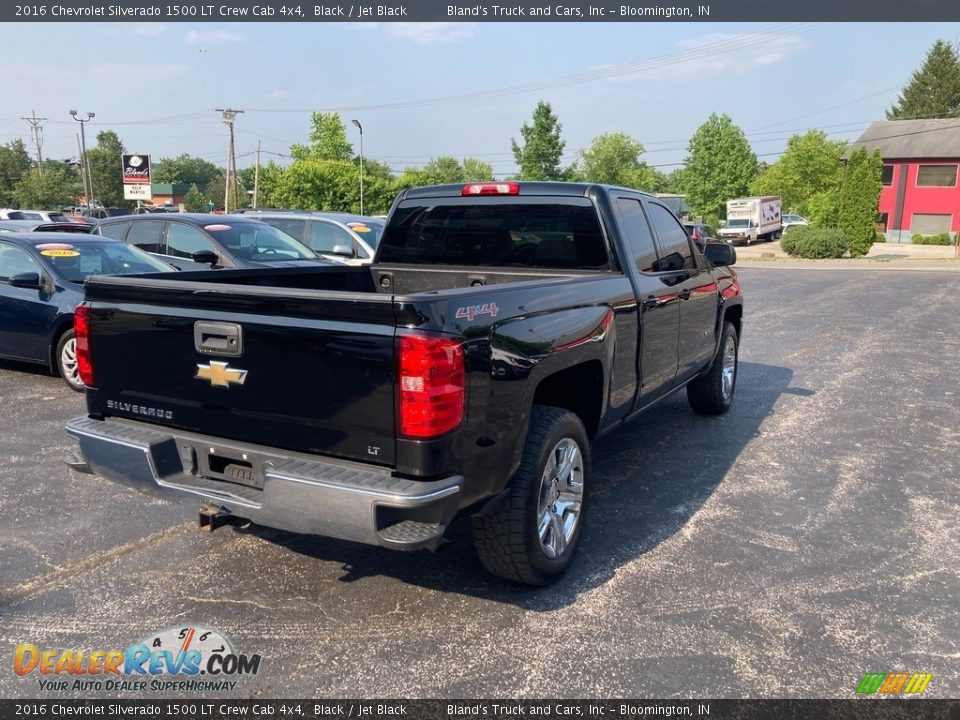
column 218, row 338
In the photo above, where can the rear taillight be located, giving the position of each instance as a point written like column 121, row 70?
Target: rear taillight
column 431, row 380
column 491, row 188
column 81, row 331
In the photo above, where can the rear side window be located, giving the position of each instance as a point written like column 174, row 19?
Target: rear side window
column 146, row 235
column 117, row 231
column 290, row 226
column 501, row 232
column 675, row 253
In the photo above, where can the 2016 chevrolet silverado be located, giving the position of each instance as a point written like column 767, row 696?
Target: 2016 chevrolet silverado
column 501, row 327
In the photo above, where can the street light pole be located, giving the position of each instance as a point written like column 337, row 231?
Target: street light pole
column 360, row 128
column 84, row 164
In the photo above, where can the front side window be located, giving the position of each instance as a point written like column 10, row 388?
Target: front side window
column 15, row 261
column 675, row 253
column 638, row 236
column 184, row 240
column 325, row 236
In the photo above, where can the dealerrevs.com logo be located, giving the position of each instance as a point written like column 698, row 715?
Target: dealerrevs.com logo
column 192, row 658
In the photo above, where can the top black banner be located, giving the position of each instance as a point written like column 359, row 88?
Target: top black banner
column 484, row 11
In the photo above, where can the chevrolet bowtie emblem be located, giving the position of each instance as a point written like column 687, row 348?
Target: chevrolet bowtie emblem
column 220, row 374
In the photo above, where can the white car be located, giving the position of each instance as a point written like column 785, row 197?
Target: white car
column 793, row 220
column 42, row 215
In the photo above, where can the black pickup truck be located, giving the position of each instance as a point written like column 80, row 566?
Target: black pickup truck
column 501, row 328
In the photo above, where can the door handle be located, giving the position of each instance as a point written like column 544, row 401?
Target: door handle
column 651, row 302
column 684, row 294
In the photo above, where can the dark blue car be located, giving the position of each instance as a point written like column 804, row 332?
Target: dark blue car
column 41, row 283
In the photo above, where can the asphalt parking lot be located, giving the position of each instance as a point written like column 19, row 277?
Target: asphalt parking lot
column 809, row 536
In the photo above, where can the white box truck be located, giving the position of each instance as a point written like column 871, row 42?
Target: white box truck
column 751, row 219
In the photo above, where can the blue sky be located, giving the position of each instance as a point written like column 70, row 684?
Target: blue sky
column 157, row 84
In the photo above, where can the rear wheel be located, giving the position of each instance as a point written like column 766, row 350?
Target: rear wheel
column 533, row 533
column 67, row 361
column 712, row 392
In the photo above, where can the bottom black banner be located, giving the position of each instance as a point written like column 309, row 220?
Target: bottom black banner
column 915, row 709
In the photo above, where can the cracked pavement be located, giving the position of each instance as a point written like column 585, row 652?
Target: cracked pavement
column 783, row 550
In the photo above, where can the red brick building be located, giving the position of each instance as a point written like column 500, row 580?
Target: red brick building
column 921, row 193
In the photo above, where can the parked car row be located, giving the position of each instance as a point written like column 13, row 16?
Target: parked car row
column 41, row 283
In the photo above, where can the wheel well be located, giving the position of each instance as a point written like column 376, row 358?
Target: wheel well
column 55, row 340
column 734, row 315
column 578, row 389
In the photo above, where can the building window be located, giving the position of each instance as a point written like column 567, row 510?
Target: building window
column 886, row 177
column 937, row 176
column 930, row 223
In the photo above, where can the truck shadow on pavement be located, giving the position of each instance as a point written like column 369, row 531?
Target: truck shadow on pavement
column 650, row 478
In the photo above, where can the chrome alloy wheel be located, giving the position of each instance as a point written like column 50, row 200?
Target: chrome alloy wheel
column 68, row 363
column 729, row 368
column 561, row 497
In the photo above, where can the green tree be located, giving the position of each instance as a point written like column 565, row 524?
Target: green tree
column 444, row 169
column 810, row 165
column 720, row 166
column 186, row 169
column 539, row 156
column 328, row 140
column 106, row 169
column 475, row 170
column 194, row 201
column 51, row 190
column 612, row 159
column 857, row 199
column 14, row 166
column 934, row 88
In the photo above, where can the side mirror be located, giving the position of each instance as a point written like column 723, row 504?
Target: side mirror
column 205, row 257
column 720, row 254
column 26, row 280
column 343, row 251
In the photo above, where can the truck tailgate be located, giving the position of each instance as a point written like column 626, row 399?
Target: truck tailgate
column 294, row 369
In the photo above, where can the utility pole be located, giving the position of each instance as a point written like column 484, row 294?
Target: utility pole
column 229, row 116
column 256, row 178
column 83, row 150
column 36, row 132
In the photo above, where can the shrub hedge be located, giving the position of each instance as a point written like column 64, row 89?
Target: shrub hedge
column 815, row 243
column 941, row 239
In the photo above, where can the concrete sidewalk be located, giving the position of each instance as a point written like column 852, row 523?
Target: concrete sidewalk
column 882, row 256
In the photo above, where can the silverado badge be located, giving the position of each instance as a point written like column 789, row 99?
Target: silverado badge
column 220, row 374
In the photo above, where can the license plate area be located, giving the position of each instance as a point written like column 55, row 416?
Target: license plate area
column 223, row 464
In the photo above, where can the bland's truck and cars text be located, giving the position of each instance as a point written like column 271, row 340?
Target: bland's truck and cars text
column 500, row 329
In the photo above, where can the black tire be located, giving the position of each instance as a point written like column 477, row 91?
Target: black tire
column 66, row 367
column 508, row 538
column 708, row 394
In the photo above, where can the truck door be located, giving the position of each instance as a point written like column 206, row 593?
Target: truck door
column 659, row 308
column 696, row 290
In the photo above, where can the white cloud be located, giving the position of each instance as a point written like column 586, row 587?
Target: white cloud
column 436, row 32
column 710, row 55
column 128, row 72
column 213, row 37
column 149, row 29
column 278, row 94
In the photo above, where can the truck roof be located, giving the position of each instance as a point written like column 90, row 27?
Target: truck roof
column 528, row 188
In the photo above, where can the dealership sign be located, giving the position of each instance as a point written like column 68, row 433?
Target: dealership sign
column 136, row 177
